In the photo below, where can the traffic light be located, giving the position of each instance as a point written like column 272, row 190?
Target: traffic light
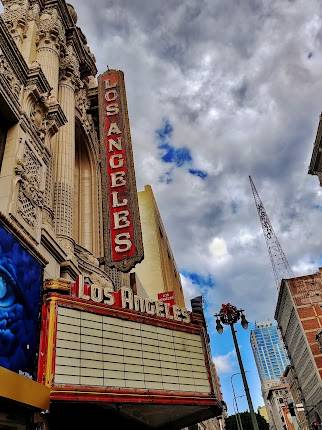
column 291, row 409
column 196, row 305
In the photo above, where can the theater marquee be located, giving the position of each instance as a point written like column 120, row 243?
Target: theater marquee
column 152, row 365
column 122, row 228
column 119, row 355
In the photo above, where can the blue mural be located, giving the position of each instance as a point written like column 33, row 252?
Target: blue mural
column 20, row 284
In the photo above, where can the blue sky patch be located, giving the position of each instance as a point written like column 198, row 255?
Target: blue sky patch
column 177, row 157
column 200, row 280
column 200, row 173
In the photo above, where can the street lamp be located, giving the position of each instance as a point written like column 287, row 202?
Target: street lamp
column 238, row 419
column 229, row 315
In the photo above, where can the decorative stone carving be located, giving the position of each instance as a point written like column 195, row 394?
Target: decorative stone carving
column 7, row 73
column 82, row 105
column 44, row 112
column 38, row 117
column 51, row 31
column 87, row 257
column 61, row 285
column 101, row 282
column 33, row 13
column 69, row 67
column 15, row 17
column 30, row 194
column 63, row 203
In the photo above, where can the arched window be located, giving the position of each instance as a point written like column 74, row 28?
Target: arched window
column 86, row 220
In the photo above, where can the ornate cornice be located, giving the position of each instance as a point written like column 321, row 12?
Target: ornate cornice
column 61, row 285
column 87, row 61
column 12, row 54
column 93, row 107
column 75, row 37
column 56, row 116
column 36, row 77
column 63, row 11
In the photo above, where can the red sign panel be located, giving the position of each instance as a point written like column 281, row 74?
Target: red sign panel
column 168, row 297
column 123, row 240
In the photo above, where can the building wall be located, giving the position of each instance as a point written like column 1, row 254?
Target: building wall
column 278, row 398
column 292, row 381
column 271, row 360
column 269, row 350
column 157, row 272
column 299, row 315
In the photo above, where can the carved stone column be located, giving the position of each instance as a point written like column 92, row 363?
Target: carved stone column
column 64, row 154
column 51, row 37
column 50, row 43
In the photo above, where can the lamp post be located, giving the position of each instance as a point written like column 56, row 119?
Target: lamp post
column 238, row 419
column 229, row 315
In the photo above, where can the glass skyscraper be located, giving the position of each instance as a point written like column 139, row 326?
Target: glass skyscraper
column 269, row 350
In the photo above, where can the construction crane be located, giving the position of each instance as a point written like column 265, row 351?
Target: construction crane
column 280, row 265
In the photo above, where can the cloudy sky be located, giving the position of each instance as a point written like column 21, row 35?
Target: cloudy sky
column 219, row 90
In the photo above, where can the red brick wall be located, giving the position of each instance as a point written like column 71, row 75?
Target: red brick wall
column 307, row 295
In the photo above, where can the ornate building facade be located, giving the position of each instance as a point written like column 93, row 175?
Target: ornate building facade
column 69, row 319
column 50, row 173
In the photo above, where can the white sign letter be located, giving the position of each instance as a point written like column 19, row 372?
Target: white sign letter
column 111, row 95
column 109, row 296
column 112, row 109
column 127, row 298
column 81, row 286
column 113, row 144
column 120, row 219
column 114, row 129
column 159, row 309
column 116, row 202
column 108, row 84
column 124, row 242
column 119, row 162
column 176, row 313
column 96, row 293
column 118, row 179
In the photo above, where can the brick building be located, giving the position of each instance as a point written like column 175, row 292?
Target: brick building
column 299, row 316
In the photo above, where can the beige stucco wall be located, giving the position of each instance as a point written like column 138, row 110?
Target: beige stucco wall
column 158, row 272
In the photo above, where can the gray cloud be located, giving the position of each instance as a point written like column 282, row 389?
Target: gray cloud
column 236, row 80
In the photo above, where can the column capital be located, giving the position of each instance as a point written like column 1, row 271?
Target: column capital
column 15, row 16
column 51, row 33
column 69, row 69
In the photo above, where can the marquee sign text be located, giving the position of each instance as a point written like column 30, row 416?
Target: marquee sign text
column 126, row 299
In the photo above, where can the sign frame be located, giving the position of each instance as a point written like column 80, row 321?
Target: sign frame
column 81, row 393
column 117, row 113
